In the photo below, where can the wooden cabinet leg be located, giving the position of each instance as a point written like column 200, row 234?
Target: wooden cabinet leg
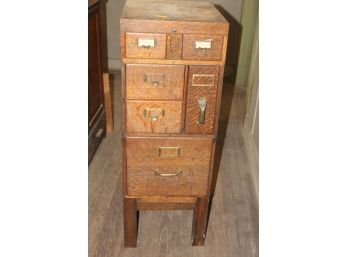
column 108, row 104
column 130, row 220
column 200, row 215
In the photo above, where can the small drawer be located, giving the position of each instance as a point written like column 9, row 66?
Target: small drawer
column 202, row 47
column 154, row 82
column 153, row 116
column 201, row 99
column 145, row 45
column 182, row 171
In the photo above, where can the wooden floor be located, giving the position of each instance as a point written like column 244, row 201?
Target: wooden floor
column 233, row 223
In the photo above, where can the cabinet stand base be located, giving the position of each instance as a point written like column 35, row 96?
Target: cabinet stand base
column 131, row 206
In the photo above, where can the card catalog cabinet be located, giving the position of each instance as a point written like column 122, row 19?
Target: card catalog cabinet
column 173, row 55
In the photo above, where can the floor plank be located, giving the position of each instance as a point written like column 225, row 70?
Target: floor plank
column 233, row 222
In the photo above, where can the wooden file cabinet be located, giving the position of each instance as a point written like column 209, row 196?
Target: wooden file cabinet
column 173, row 55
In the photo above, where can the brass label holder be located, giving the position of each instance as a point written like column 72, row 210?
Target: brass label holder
column 203, row 44
column 210, row 77
column 156, row 79
column 168, row 151
column 146, row 42
column 153, row 114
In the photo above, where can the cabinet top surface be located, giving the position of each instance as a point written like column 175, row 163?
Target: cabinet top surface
column 172, row 10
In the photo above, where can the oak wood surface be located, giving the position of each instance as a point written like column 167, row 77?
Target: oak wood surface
column 202, row 82
column 174, row 46
column 167, row 61
column 144, row 156
column 131, row 224
column 168, row 135
column 144, row 151
column 192, row 181
column 190, row 52
column 173, row 203
column 108, row 104
column 134, row 51
column 192, row 11
column 181, row 27
column 233, row 223
column 173, row 32
column 200, row 214
column 141, row 82
column 168, row 113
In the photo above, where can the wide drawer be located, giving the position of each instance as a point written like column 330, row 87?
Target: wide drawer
column 168, row 166
column 202, row 47
column 153, row 116
column 155, row 82
column 145, row 45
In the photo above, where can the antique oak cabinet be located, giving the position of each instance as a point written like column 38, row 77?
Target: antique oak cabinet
column 173, row 55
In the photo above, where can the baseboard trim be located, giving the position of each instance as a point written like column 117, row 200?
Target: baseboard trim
column 253, row 156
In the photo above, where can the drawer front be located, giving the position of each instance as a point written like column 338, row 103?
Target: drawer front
column 201, row 99
column 154, row 82
column 153, row 116
column 202, row 47
column 174, row 46
column 167, row 166
column 145, row 45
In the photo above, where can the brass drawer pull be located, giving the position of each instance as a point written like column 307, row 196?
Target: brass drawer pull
column 156, row 79
column 178, row 173
column 153, row 114
column 202, row 103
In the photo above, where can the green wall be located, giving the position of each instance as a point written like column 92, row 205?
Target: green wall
column 249, row 21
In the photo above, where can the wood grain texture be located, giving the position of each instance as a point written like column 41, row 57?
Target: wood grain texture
column 202, row 82
column 173, row 203
column 133, row 51
column 130, row 222
column 122, row 45
column 192, row 11
column 190, row 52
column 193, row 151
column 218, row 99
column 171, row 174
column 174, row 46
column 181, row 27
column 144, row 157
column 123, row 98
column 200, row 215
column 233, row 222
column 108, row 104
column 141, row 82
column 191, row 181
column 167, row 61
column 168, row 113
